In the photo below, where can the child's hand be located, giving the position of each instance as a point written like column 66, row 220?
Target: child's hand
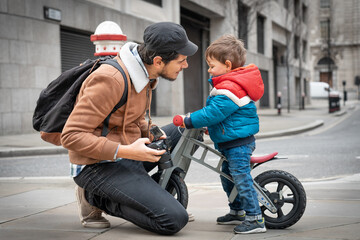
column 178, row 120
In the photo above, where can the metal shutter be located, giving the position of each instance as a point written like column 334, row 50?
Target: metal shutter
column 76, row 47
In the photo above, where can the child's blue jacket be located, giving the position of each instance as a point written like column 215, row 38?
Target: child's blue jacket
column 230, row 111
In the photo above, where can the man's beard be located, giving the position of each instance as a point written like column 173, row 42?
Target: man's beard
column 166, row 77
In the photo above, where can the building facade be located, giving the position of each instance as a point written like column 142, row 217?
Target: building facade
column 277, row 36
column 39, row 39
column 335, row 45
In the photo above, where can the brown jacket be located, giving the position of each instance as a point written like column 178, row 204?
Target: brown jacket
column 100, row 92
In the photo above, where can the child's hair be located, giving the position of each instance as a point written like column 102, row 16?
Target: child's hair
column 227, row 47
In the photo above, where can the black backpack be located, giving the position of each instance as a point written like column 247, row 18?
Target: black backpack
column 57, row 100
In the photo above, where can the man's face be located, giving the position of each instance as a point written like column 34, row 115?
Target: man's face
column 171, row 70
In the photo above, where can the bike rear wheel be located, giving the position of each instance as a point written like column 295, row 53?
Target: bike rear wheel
column 176, row 187
column 287, row 194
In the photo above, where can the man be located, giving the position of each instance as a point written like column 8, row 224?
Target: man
column 109, row 170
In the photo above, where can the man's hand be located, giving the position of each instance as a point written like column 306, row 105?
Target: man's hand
column 164, row 135
column 158, row 133
column 139, row 151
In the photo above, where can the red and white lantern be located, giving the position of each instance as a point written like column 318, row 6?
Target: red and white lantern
column 108, row 39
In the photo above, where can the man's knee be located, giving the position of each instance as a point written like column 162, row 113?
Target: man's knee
column 177, row 219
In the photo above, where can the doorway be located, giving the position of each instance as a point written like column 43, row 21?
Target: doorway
column 196, row 86
column 265, row 100
column 326, row 77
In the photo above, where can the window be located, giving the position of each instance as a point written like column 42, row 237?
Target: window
column 324, row 28
column 304, row 50
column 324, row 3
column 304, row 13
column 243, row 11
column 296, row 8
column 296, row 47
column 155, row 2
column 286, row 4
column 325, row 61
column 261, row 34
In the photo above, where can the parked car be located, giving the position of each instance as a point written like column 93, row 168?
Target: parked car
column 322, row 90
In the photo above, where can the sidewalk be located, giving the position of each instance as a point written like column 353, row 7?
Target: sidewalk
column 45, row 208
column 35, row 209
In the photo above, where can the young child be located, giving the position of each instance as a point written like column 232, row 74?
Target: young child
column 231, row 118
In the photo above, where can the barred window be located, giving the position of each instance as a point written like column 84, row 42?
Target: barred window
column 261, row 34
column 304, row 50
column 324, row 28
column 324, row 3
column 286, row 4
column 304, row 13
column 296, row 47
column 243, row 11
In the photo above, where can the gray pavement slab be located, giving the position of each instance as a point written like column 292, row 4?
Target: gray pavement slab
column 14, row 206
column 45, row 208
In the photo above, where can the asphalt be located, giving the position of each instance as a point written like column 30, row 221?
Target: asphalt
column 45, row 207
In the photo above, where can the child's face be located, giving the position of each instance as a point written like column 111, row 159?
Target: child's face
column 217, row 68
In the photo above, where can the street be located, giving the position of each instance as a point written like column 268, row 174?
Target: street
column 328, row 152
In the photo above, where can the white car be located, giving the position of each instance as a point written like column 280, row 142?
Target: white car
column 321, row 90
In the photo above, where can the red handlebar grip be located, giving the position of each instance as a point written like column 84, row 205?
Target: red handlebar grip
column 178, row 120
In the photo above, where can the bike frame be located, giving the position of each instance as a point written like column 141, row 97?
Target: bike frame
column 183, row 154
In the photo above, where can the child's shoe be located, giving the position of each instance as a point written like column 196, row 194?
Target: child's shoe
column 229, row 219
column 257, row 226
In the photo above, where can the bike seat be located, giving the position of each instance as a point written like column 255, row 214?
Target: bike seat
column 261, row 159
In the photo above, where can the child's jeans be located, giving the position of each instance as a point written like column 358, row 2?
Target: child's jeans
column 238, row 166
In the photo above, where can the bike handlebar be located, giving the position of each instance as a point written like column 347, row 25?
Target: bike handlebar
column 178, row 121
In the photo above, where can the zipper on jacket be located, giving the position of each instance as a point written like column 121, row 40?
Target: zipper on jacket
column 148, row 110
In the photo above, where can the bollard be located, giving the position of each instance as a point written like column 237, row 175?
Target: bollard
column 279, row 103
column 302, row 100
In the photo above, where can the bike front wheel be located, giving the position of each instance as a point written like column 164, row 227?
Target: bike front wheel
column 176, row 187
column 287, row 194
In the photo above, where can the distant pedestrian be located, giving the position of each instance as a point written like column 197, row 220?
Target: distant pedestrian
column 231, row 117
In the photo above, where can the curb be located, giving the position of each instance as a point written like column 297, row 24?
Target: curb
column 32, row 151
column 280, row 133
column 291, row 131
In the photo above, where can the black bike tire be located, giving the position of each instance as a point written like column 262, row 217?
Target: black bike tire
column 178, row 184
column 299, row 196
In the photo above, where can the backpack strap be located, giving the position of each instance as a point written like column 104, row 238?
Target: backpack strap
column 123, row 99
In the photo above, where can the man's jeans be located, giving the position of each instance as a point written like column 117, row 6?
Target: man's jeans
column 125, row 189
column 238, row 166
